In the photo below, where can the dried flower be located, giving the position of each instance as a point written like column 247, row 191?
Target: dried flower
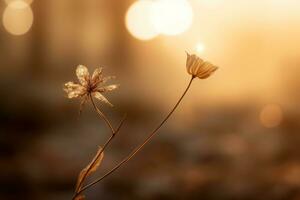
column 198, row 67
column 195, row 66
column 89, row 85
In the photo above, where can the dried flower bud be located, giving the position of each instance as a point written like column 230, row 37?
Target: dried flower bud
column 199, row 68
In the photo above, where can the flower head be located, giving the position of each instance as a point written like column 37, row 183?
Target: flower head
column 198, row 67
column 89, row 85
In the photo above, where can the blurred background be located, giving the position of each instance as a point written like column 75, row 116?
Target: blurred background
column 235, row 135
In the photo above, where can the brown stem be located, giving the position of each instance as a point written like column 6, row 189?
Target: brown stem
column 135, row 151
column 102, row 115
column 114, row 132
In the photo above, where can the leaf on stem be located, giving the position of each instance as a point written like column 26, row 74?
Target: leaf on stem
column 80, row 197
column 89, row 169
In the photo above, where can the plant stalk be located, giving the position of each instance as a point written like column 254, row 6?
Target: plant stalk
column 137, row 149
column 102, row 115
column 114, row 132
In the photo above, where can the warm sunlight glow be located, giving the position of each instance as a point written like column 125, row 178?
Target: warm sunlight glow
column 271, row 115
column 138, row 20
column 12, row 1
column 210, row 3
column 200, row 48
column 17, row 18
column 172, row 17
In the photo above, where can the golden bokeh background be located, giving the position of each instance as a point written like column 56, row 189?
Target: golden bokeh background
column 235, row 136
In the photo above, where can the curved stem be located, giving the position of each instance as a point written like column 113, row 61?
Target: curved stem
column 114, row 132
column 102, row 115
column 135, row 151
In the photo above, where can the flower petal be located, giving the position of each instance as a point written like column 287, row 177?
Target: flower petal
column 207, row 70
column 196, row 65
column 82, row 103
column 97, row 74
column 99, row 96
column 193, row 63
column 71, row 85
column 74, row 94
column 83, row 74
column 74, row 90
column 189, row 62
column 107, row 78
column 108, row 88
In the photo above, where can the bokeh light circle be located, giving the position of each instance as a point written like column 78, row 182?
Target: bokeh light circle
column 271, row 115
column 172, row 17
column 138, row 20
column 17, row 18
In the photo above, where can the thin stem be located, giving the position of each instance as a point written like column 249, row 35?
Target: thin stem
column 103, row 148
column 135, row 151
column 102, row 115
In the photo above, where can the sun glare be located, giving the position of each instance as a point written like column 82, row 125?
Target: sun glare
column 200, row 48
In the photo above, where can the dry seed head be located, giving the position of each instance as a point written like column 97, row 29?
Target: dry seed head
column 89, row 85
